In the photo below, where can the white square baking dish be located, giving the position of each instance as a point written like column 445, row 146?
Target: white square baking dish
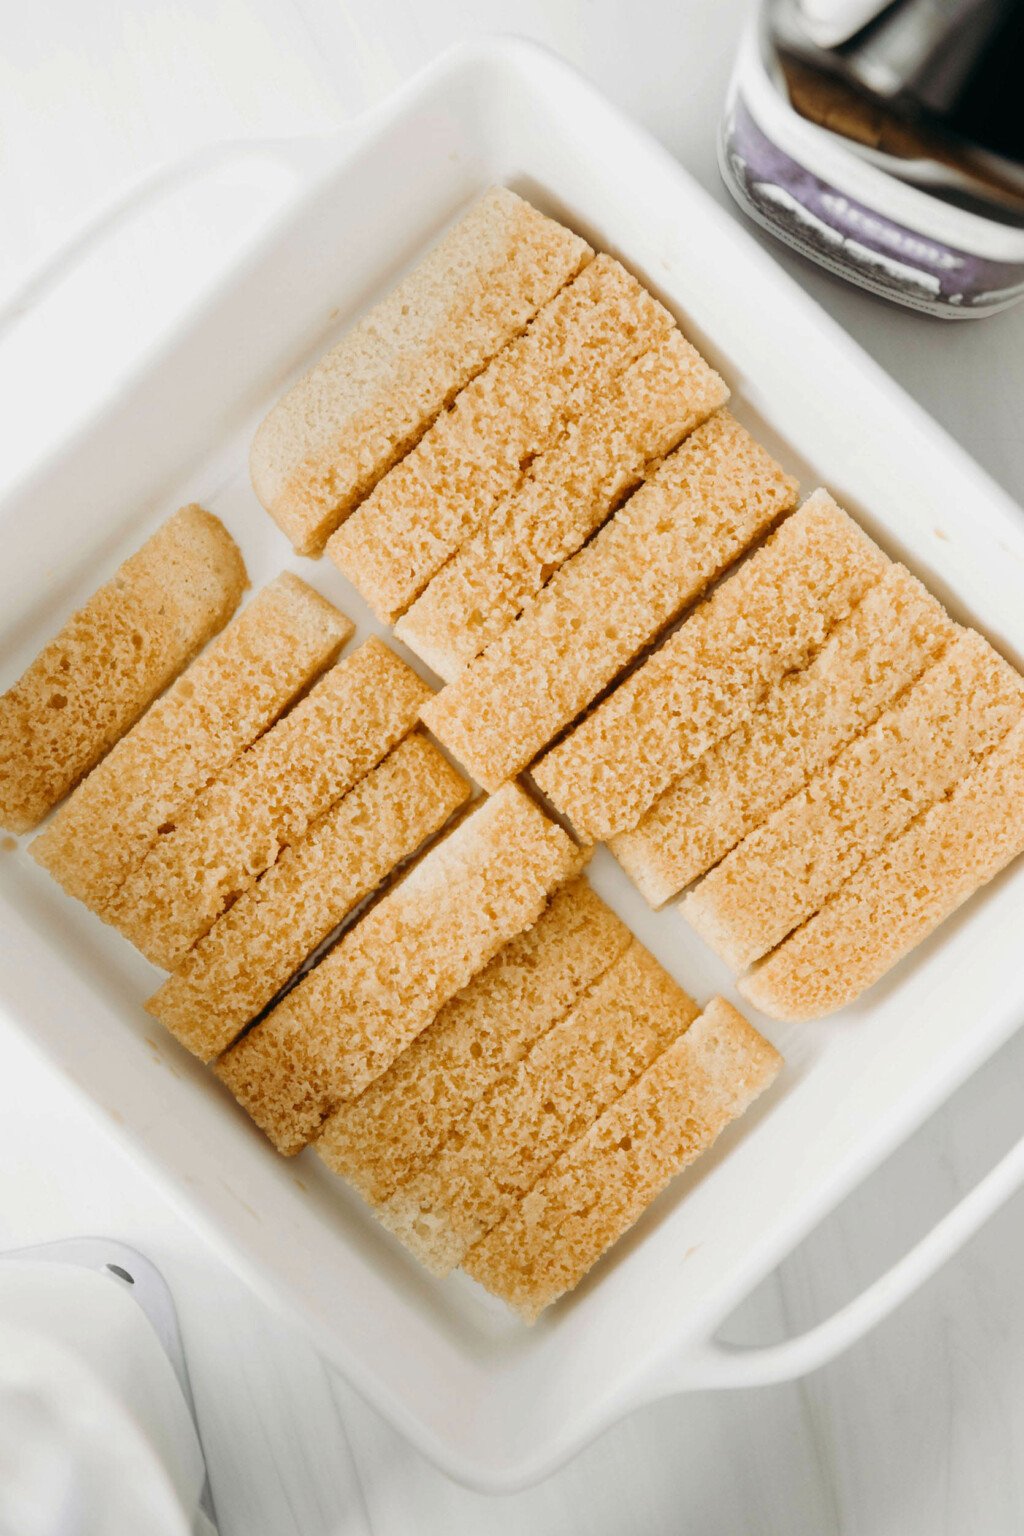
column 494, row 1403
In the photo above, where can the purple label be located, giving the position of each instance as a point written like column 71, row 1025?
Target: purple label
column 854, row 240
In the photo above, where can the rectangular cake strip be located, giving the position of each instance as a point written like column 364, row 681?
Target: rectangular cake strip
column 387, row 978
column 265, row 800
column 381, row 1139
column 261, row 941
column 766, row 619
column 913, row 755
column 692, row 519
column 229, row 695
column 484, row 447
column 893, row 634
column 900, row 895
column 110, row 660
column 517, row 1129
column 571, row 489
column 601, row 1185
column 343, row 425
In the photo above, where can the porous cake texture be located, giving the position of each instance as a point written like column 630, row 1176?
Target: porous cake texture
column 899, row 895
column 765, row 620
column 894, row 632
column 110, row 660
column 230, row 694
column 387, row 978
column 480, row 450
column 261, row 941
column 692, row 519
column 912, row 756
column 570, row 490
column 519, row 1126
column 604, row 1181
column 265, row 800
column 381, row 1139
column 343, row 425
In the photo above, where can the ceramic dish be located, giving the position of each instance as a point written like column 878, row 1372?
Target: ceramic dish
column 493, row 1402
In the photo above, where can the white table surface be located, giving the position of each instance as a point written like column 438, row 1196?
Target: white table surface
column 920, row 1429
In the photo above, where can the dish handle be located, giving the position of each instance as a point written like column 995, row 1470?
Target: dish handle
column 298, row 157
column 713, row 1363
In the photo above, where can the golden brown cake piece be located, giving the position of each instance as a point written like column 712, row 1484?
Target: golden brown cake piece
column 912, row 756
column 708, row 678
column 516, row 1130
column 387, row 978
column 692, row 519
column 265, row 800
column 230, row 694
column 604, row 1182
column 381, row 1139
column 261, row 941
column 893, row 634
column 343, row 425
column 630, row 426
column 478, row 452
column 900, row 895
column 111, row 659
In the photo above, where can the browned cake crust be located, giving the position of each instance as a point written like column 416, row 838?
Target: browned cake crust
column 900, row 895
column 111, row 659
column 708, row 678
column 629, row 426
column 261, row 941
column 519, row 1126
column 230, row 694
column 364, row 404
column 476, row 454
column 265, row 800
column 701, row 509
column 381, row 1139
column 604, row 1181
column 912, row 756
column 352, row 1016
column 895, row 631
